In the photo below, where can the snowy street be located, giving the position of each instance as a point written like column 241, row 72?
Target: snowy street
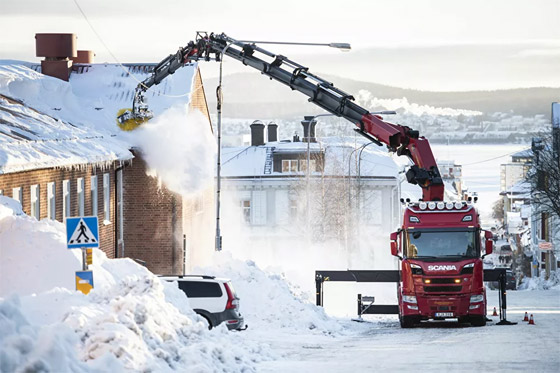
column 383, row 345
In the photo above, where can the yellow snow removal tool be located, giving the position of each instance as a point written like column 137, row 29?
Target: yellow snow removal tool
column 127, row 122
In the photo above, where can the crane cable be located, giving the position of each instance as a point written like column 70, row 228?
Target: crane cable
column 117, row 60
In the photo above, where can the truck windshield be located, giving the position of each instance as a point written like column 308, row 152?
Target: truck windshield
column 440, row 243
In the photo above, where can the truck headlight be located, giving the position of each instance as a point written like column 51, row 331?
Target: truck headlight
column 477, row 298
column 409, row 299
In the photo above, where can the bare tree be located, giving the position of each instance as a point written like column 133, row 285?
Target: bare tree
column 544, row 176
column 498, row 209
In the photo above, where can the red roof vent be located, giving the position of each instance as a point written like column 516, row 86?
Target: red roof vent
column 57, row 49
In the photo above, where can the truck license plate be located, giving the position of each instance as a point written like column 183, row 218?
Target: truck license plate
column 444, row 314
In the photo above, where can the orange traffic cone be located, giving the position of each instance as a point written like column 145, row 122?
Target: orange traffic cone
column 531, row 321
column 526, row 318
column 495, row 313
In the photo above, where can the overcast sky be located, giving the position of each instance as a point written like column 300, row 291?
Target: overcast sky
column 147, row 31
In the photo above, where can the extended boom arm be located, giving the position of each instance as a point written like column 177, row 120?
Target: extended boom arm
column 401, row 139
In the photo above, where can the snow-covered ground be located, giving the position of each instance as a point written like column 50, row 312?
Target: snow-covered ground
column 381, row 345
column 132, row 321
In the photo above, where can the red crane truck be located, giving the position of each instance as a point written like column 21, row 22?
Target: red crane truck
column 439, row 244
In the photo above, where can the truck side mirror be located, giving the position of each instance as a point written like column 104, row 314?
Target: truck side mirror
column 394, row 244
column 489, row 244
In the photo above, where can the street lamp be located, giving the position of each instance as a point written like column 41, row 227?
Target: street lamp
column 219, row 99
column 345, row 47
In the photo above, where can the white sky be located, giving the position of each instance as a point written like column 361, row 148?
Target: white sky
column 142, row 30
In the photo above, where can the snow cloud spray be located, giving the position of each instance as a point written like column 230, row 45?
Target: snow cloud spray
column 179, row 148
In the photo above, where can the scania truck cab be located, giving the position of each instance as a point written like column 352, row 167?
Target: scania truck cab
column 440, row 250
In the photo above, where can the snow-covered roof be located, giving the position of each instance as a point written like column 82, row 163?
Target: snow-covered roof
column 525, row 153
column 250, row 161
column 30, row 139
column 521, row 189
column 47, row 122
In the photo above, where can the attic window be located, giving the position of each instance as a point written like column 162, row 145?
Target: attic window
column 303, row 165
column 289, row 165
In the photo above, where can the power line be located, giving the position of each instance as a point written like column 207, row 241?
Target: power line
column 115, row 58
column 491, row 159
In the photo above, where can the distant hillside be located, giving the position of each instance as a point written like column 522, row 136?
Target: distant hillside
column 250, row 95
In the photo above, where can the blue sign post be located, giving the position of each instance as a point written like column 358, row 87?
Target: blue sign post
column 83, row 233
column 84, row 281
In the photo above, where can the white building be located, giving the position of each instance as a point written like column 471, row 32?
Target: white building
column 350, row 192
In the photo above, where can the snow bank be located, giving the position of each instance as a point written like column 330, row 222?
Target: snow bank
column 268, row 301
column 540, row 283
column 131, row 321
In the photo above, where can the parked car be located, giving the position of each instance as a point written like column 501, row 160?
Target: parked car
column 511, row 283
column 212, row 298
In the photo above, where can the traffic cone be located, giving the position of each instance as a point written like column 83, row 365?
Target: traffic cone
column 526, row 318
column 495, row 313
column 531, row 321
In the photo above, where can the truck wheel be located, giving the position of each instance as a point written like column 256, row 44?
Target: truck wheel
column 407, row 321
column 478, row 320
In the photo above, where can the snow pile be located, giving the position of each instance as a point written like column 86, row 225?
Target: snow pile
column 28, row 348
column 180, row 148
column 131, row 321
column 540, row 283
column 269, row 302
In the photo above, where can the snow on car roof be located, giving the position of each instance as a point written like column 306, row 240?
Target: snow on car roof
column 46, row 122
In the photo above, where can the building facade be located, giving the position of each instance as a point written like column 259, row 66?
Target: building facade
column 80, row 165
column 331, row 190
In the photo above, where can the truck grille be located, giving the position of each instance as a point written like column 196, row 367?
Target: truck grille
column 442, row 280
column 442, row 289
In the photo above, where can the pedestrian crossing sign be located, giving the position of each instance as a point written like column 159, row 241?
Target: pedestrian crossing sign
column 82, row 232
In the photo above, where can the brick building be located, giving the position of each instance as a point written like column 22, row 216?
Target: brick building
column 62, row 154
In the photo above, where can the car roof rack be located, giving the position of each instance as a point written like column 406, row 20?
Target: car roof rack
column 206, row 277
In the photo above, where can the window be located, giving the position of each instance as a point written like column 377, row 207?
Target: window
column 199, row 203
column 196, row 289
column 93, row 195
column 289, row 165
column 35, row 208
column 106, row 198
column 17, row 195
column 303, row 165
column 1, row 192
column 81, row 197
column 51, row 205
column 441, row 243
column 66, row 198
column 246, row 208
column 293, row 208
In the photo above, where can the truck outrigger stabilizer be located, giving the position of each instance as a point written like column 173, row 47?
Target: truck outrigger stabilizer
column 393, row 276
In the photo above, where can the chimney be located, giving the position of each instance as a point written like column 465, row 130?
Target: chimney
column 84, row 57
column 57, row 49
column 309, row 124
column 257, row 133
column 272, row 132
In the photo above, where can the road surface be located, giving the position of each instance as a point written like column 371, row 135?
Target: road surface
column 381, row 345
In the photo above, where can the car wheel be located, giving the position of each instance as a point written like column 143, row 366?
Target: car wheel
column 206, row 321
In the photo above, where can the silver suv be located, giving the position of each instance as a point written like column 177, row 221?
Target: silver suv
column 212, row 298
